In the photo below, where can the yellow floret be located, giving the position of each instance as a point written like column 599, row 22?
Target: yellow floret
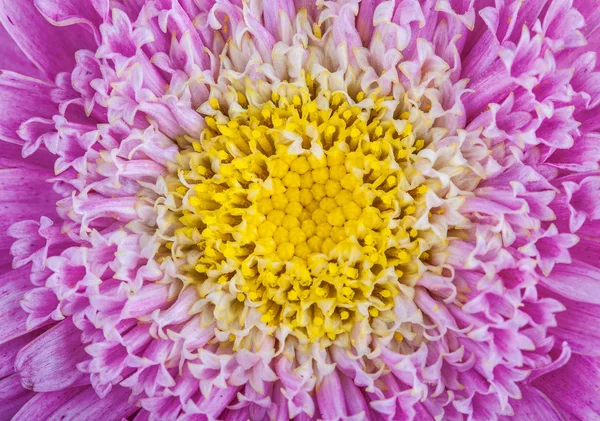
column 328, row 204
column 312, row 206
column 343, row 197
column 297, row 236
column 328, row 246
column 336, row 217
column 335, row 156
column 319, row 216
column 265, row 206
column 320, row 175
column 294, row 209
column 267, row 229
column 332, row 188
column 309, row 227
column 300, row 165
column 306, row 181
column 293, row 194
column 279, row 201
column 318, row 191
column 349, row 182
column 337, row 172
column 338, row 234
column 291, row 179
column 315, row 243
column 278, row 186
column 305, row 197
column 316, row 162
column 285, row 251
column 278, row 168
column 276, row 217
column 290, row 222
column 304, row 215
column 302, row 250
column 352, row 210
column 281, row 236
column 323, row 230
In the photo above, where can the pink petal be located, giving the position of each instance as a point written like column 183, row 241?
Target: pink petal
column 78, row 403
column 9, row 350
column 43, row 405
column 577, row 281
column 48, row 363
column 22, row 98
column 51, row 49
column 533, row 406
column 573, row 388
column 70, row 12
column 13, row 285
column 13, row 59
column 12, row 396
column 578, row 325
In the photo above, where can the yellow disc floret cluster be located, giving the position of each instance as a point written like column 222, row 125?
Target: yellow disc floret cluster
column 300, row 206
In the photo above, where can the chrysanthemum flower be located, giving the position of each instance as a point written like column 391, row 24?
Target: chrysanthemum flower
column 336, row 210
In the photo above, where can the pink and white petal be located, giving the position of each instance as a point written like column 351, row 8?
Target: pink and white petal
column 22, row 98
column 51, row 48
column 12, row 396
column 43, row 307
column 48, row 363
column 573, row 388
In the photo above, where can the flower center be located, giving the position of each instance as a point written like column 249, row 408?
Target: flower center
column 303, row 206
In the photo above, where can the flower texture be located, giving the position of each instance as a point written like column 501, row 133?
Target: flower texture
column 333, row 210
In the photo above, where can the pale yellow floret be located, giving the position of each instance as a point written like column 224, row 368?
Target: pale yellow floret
column 214, row 103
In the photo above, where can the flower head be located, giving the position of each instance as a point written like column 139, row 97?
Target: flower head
column 337, row 210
